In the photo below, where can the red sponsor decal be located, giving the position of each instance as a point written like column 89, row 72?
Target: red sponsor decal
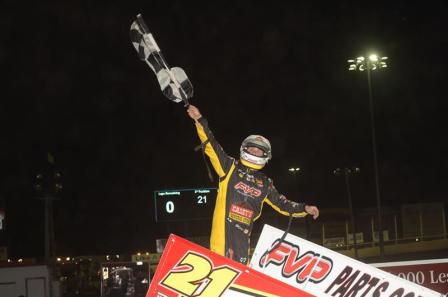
column 309, row 265
column 247, row 213
column 247, row 189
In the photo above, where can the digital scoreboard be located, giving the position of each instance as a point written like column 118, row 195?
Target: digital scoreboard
column 184, row 204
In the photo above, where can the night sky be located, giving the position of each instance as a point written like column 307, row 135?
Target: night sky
column 72, row 85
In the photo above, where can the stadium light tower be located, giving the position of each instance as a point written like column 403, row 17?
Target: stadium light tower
column 371, row 63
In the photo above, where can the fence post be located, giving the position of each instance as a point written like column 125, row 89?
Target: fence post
column 346, row 235
column 396, row 229
column 420, row 224
column 323, row 234
column 444, row 222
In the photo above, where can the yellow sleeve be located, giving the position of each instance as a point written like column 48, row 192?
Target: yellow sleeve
column 221, row 162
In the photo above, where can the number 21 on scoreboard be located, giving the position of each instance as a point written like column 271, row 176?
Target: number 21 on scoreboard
column 195, row 276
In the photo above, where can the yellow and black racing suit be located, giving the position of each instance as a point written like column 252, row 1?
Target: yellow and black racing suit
column 241, row 194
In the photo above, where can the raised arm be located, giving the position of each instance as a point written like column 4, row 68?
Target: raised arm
column 220, row 160
column 286, row 207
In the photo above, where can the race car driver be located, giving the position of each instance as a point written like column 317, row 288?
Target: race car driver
column 243, row 189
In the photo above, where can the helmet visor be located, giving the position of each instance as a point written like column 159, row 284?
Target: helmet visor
column 256, row 150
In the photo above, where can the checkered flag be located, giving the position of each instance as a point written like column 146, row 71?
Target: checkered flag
column 174, row 82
